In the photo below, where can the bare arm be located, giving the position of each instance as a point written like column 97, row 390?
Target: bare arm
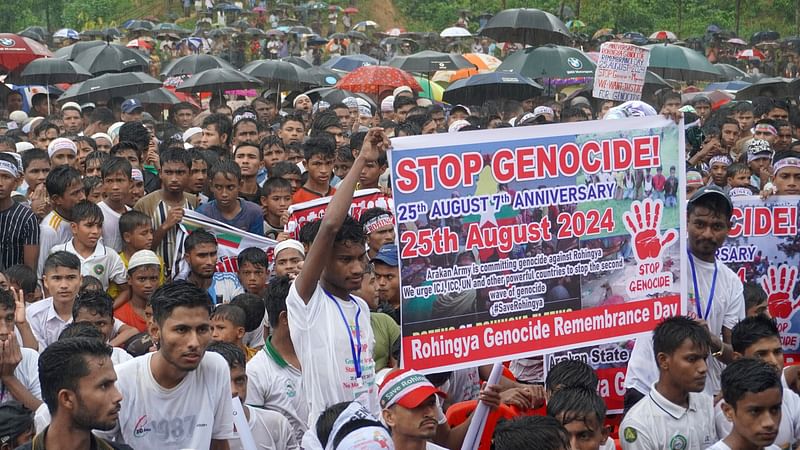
column 125, row 333
column 217, row 444
column 337, row 210
column 30, row 255
column 21, row 321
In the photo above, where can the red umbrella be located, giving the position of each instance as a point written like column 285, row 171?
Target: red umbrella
column 16, row 51
column 376, row 79
column 351, row 10
column 751, row 53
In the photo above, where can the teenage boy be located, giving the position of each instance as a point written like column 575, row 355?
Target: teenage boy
column 675, row 414
column 248, row 157
column 245, row 128
column 36, row 166
column 738, row 176
column 144, row 274
column 200, row 253
column 65, row 190
column 759, row 159
column 379, row 226
column 786, row 167
column 323, row 315
column 216, row 131
column 274, row 380
column 292, row 129
column 319, row 154
column 521, row 432
column 718, row 169
column 753, row 395
column 116, row 174
column 195, row 384
column 227, row 325
column 371, row 173
column 165, row 206
column 18, row 224
column 253, row 270
column 19, row 379
column 62, row 279
column 716, row 293
column 583, row 413
column 288, row 171
column 276, row 197
column 273, row 150
column 78, row 386
column 386, row 268
column 198, row 179
column 227, row 207
column 96, row 308
column 62, row 151
column 270, row 430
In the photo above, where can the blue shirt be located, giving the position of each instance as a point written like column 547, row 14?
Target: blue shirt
column 249, row 219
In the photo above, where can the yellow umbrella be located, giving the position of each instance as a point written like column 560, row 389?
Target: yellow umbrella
column 430, row 89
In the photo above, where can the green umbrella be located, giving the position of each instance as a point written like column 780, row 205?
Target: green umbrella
column 680, row 63
column 549, row 61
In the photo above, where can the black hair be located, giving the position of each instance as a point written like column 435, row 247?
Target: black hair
column 270, row 141
column 90, row 184
column 136, row 133
column 60, row 179
column 178, row 294
column 277, row 291
column 663, row 96
column 326, row 420
column 222, row 124
column 232, row 313
column 86, row 139
column 122, row 146
column 232, row 354
column 131, row 220
column 700, row 99
column 198, row 237
column 63, row 363
column 293, row 118
column 371, row 213
column 307, row 232
column 672, row 332
column 82, row 330
column 741, row 107
column 408, row 128
column 227, row 168
column 7, row 300
column 273, row 184
column 15, row 418
column 352, row 426
column 573, row 112
column 281, row 168
column 61, row 258
column 114, row 164
column 44, row 126
column 253, row 306
column 344, row 153
column 577, row 404
column 96, row 302
column 88, row 211
column 90, row 283
column 736, row 168
column 530, row 433
column 173, row 110
column 751, row 330
column 260, row 152
column 325, row 120
column 748, row 375
column 570, row 373
column 23, row 276
column 96, row 155
column 175, row 155
column 402, row 100
column 319, row 145
column 32, row 155
column 753, row 295
column 350, row 231
column 780, row 104
column 252, row 255
column 102, row 115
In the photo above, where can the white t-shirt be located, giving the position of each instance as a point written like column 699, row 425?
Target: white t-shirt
column 53, row 230
column 111, row 235
column 657, row 423
column 274, row 384
column 27, row 372
column 119, row 356
column 727, row 310
column 271, row 431
column 104, row 264
column 323, row 344
column 189, row 415
column 720, row 445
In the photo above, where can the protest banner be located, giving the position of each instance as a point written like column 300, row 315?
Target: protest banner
column 763, row 247
column 621, row 71
column 527, row 241
column 312, row 210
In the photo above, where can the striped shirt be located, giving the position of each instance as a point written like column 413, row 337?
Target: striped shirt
column 154, row 206
column 53, row 230
column 18, row 228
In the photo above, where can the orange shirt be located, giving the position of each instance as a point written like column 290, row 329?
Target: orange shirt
column 126, row 314
column 304, row 195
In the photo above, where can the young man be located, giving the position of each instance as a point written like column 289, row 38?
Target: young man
column 292, row 129
column 718, row 168
column 321, row 311
column 753, row 394
column 379, row 226
column 786, row 166
column 65, row 190
column 35, row 166
column 198, row 177
column 182, row 115
column 253, row 270
column 245, row 129
column 370, row 175
column 165, row 206
column 319, row 154
column 273, row 150
column 248, row 157
column 582, row 412
column 18, row 224
column 195, row 384
column 19, row 378
column 708, row 213
column 216, row 131
column 144, row 270
column 675, row 412
column 411, row 408
column 276, row 197
column 200, row 253
column 227, row 207
column 116, row 174
column 265, row 109
column 759, row 159
column 386, row 268
column 61, row 277
column 78, row 386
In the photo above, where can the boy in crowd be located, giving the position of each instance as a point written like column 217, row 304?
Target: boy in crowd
column 274, row 152
column 216, row 131
column 755, row 300
column 289, row 256
column 18, row 224
column 65, row 190
column 20, row 379
column 22, row 277
column 227, row 207
column 270, row 430
column 227, row 325
column 289, row 172
column 675, row 411
column 198, row 179
column 759, row 159
column 93, row 189
column 786, row 168
column 116, row 173
column 61, row 277
column 62, row 151
column 36, row 166
column 137, row 187
column 379, row 226
column 195, row 384
column 276, row 197
column 342, row 164
column 200, row 253
column 144, row 276
column 582, row 412
column 292, row 129
column 96, row 308
column 248, row 157
column 753, row 395
column 93, row 163
column 253, row 270
column 371, row 173
column 718, row 168
column 738, row 176
column 319, row 154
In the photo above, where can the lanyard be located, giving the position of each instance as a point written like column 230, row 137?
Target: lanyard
column 697, row 291
column 355, row 347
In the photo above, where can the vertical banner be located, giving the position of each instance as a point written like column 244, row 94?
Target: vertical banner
column 764, row 247
column 620, row 73
column 533, row 240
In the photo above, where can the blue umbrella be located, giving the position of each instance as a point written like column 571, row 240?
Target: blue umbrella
column 727, row 86
column 350, row 63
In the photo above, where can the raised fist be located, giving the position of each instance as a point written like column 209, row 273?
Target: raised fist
column 778, row 283
column 643, row 222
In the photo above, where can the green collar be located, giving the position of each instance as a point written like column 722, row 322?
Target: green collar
column 273, row 353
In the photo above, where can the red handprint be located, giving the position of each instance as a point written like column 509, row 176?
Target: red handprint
column 778, row 283
column 643, row 222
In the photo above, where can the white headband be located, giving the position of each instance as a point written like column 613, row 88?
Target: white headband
column 786, row 162
column 378, row 222
column 9, row 167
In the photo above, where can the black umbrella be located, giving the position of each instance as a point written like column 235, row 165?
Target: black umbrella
column 763, row 36
column 337, row 36
column 527, row 26
column 47, row 71
column 333, row 95
column 277, row 74
column 110, row 85
column 772, row 87
column 254, row 32
column 729, row 72
column 160, row 96
column 320, row 76
column 138, row 25
column 479, row 88
column 297, row 61
column 191, row 64
column 428, row 61
column 37, row 33
column 357, row 35
column 112, row 58
column 71, row 51
column 218, row 80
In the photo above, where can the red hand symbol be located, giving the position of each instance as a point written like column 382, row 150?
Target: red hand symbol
column 643, row 222
column 778, row 283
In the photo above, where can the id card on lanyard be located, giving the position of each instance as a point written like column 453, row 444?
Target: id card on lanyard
column 697, row 299
column 355, row 345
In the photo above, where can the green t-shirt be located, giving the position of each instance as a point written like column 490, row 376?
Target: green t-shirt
column 386, row 331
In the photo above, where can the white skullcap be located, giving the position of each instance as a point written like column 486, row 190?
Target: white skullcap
column 387, row 105
column 191, row 132
column 143, row 258
column 290, row 243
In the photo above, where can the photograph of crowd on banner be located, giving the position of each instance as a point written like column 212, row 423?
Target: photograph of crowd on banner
column 528, row 241
column 763, row 248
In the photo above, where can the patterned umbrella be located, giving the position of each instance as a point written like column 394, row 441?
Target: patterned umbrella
column 483, row 63
column 377, row 79
column 67, row 33
column 16, row 51
column 664, row 35
column 750, row 53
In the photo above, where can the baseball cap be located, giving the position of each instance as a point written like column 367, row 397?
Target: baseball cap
column 130, row 105
column 387, row 105
column 407, row 388
column 58, row 144
column 712, row 190
column 387, row 255
column 758, row 149
column 143, row 258
column 71, row 105
column 401, row 89
column 14, row 420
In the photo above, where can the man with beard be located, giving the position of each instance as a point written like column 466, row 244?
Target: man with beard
column 78, row 386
